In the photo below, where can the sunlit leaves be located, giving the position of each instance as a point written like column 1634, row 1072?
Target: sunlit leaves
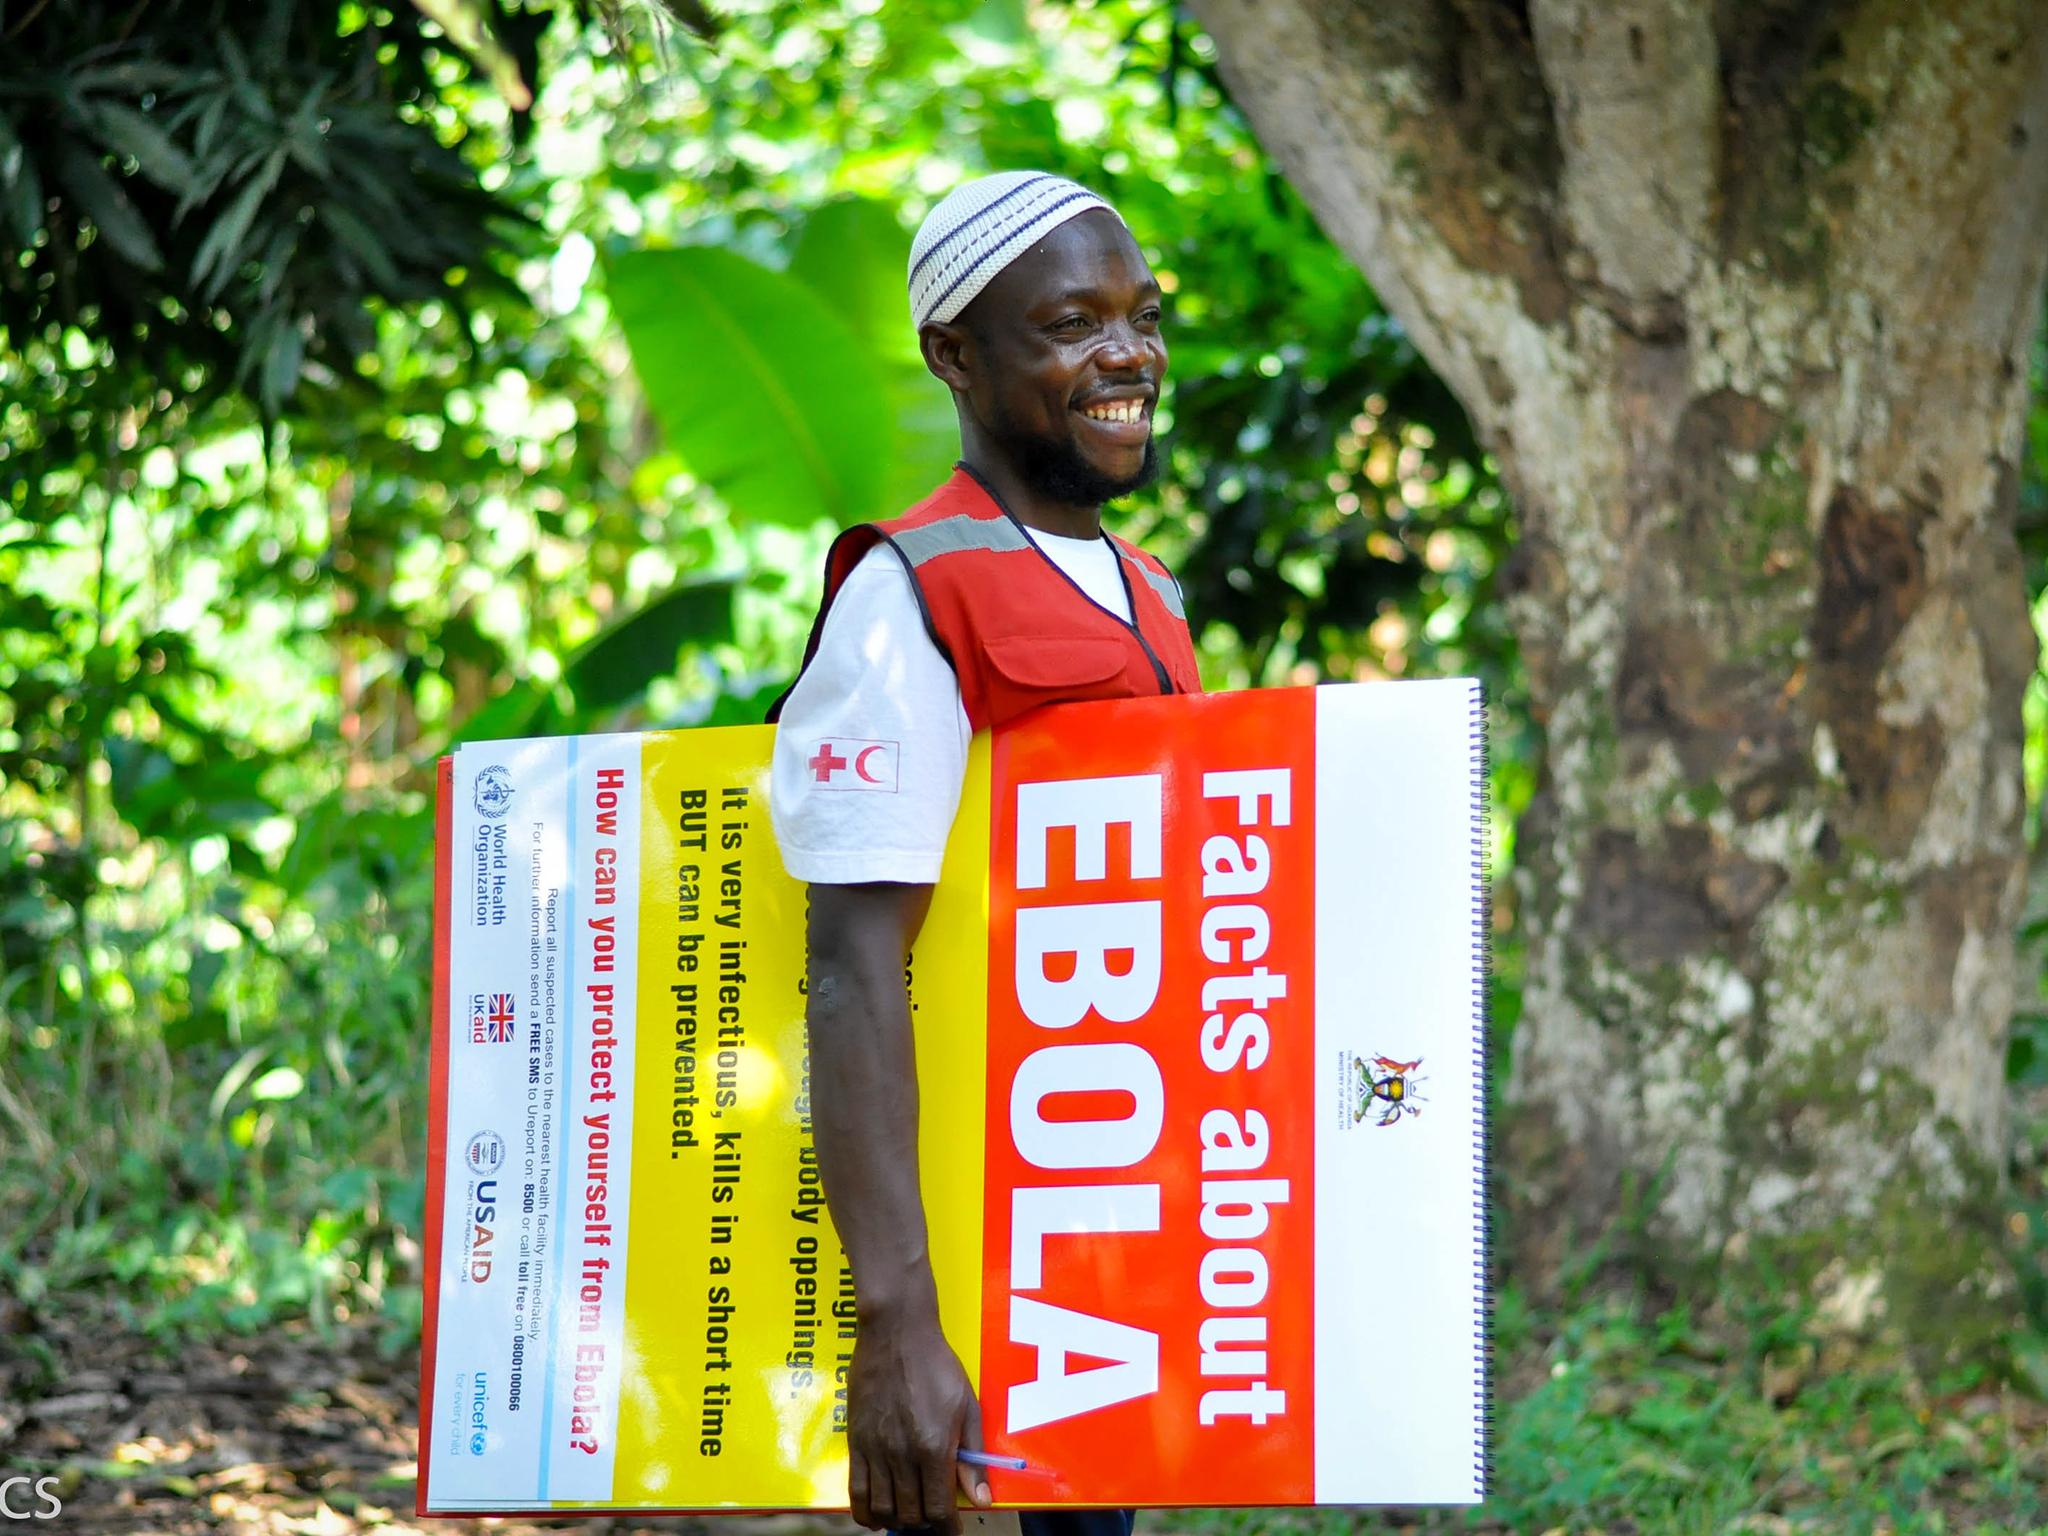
column 854, row 253
column 468, row 26
column 766, row 393
column 793, row 394
column 613, row 669
column 161, row 167
column 278, row 1083
column 616, row 666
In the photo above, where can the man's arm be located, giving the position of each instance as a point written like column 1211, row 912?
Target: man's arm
column 910, row 1406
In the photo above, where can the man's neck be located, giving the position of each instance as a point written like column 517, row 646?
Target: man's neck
column 1029, row 507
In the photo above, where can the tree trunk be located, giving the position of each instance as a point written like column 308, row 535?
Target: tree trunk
column 1740, row 297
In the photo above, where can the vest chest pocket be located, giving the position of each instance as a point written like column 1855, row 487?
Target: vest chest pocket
column 1057, row 661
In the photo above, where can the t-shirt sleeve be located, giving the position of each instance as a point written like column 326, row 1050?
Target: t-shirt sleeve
column 873, row 741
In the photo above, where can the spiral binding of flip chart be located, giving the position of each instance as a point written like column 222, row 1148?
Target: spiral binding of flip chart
column 1482, row 1070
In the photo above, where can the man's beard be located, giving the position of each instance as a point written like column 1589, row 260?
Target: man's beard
column 1056, row 470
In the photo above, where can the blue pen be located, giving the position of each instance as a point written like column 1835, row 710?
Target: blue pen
column 991, row 1459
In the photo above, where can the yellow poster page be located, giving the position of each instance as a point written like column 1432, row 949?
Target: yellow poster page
column 639, row 1298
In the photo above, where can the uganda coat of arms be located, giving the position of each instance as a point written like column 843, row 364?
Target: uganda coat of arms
column 1385, row 1089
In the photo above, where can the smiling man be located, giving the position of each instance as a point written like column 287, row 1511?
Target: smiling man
column 998, row 593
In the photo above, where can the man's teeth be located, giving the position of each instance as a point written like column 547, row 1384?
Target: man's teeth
column 1126, row 411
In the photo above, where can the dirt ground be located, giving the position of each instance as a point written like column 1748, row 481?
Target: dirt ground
column 282, row 1435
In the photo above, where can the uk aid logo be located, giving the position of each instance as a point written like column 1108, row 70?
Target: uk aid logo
column 493, row 1018
column 850, row 763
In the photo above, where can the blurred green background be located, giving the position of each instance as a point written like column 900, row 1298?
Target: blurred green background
column 370, row 392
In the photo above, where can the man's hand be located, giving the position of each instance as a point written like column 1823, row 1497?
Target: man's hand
column 910, row 1408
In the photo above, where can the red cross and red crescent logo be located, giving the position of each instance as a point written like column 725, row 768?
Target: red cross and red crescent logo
column 846, row 762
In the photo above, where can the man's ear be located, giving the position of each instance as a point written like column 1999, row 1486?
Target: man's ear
column 949, row 353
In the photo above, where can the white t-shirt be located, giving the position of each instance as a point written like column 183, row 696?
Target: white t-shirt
column 873, row 741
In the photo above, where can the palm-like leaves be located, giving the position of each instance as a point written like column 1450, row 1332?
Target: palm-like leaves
column 222, row 191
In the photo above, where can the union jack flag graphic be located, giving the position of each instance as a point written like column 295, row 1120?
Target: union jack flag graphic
column 491, row 1018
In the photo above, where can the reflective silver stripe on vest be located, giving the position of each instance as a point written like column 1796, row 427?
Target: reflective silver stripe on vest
column 1164, row 587
column 952, row 535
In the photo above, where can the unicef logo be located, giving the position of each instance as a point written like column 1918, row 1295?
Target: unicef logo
column 486, row 1152
column 493, row 792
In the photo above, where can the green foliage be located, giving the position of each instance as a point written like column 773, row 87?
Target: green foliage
column 771, row 401
column 218, row 191
column 797, row 393
column 853, row 253
column 614, row 668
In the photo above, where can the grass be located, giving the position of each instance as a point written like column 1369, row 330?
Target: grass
column 1617, row 1418
column 1647, row 1423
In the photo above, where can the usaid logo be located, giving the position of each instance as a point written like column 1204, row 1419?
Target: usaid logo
column 492, row 793
column 480, row 1240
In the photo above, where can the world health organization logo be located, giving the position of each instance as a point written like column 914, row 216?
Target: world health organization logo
column 493, row 792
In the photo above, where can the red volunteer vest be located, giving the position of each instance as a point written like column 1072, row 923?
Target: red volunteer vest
column 1018, row 632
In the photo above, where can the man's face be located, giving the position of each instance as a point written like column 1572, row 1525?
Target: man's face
column 1067, row 362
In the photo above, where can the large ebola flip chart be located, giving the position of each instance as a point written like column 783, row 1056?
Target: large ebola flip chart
column 1200, row 1020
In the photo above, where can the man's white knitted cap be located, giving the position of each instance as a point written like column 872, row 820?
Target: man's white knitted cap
column 980, row 229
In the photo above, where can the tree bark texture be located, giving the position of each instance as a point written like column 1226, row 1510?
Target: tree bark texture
column 1740, row 295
